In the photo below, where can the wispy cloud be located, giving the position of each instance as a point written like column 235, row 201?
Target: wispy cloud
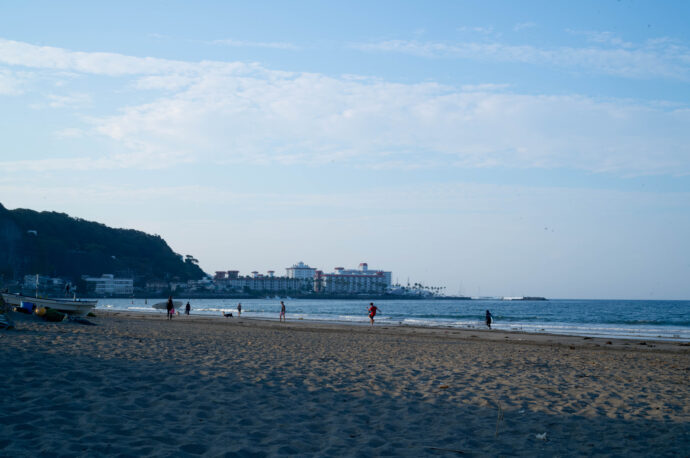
column 602, row 37
column 482, row 30
column 653, row 59
column 70, row 100
column 70, row 132
column 255, row 44
column 523, row 26
column 146, row 160
column 219, row 112
column 484, row 87
column 97, row 63
column 10, row 83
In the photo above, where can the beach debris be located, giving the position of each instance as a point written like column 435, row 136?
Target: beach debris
column 459, row 452
column 54, row 316
column 443, row 387
column 499, row 418
column 541, row 437
column 5, row 322
column 80, row 320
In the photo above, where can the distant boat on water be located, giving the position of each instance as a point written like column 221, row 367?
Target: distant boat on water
column 523, row 298
column 72, row 306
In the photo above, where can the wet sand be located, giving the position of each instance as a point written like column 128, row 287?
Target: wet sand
column 137, row 384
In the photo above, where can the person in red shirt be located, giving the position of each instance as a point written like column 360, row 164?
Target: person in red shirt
column 372, row 312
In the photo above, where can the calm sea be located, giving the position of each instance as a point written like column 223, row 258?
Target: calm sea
column 663, row 320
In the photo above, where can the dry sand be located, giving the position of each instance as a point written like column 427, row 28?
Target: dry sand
column 139, row 385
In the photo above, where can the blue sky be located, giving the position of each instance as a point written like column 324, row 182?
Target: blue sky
column 495, row 148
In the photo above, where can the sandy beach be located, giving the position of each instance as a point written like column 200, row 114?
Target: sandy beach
column 139, row 385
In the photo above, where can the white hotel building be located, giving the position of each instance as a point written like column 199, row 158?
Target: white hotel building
column 302, row 278
column 107, row 284
column 300, row 270
column 351, row 281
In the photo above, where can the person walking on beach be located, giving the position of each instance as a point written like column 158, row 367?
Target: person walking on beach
column 170, row 307
column 372, row 312
column 489, row 319
column 282, row 311
column 187, row 308
column 239, row 309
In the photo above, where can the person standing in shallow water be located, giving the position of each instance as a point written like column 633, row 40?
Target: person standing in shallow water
column 169, row 307
column 489, row 319
column 282, row 311
column 372, row 312
column 239, row 309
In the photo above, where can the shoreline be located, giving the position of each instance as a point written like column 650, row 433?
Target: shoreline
column 394, row 323
column 429, row 331
column 137, row 384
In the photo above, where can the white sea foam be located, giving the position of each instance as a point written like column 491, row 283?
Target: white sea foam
column 648, row 319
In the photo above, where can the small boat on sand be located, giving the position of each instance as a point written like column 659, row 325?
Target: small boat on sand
column 71, row 306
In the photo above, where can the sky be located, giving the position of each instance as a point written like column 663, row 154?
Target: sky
column 491, row 148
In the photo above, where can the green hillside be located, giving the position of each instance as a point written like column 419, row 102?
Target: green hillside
column 55, row 244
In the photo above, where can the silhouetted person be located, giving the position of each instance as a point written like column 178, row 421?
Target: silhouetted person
column 489, row 319
column 170, row 307
column 187, row 308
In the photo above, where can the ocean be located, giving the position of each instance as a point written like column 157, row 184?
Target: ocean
column 636, row 319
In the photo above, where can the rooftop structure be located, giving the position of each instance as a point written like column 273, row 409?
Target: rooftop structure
column 300, row 271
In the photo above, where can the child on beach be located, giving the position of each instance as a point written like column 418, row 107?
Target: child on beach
column 282, row 311
column 489, row 319
column 372, row 312
column 239, row 309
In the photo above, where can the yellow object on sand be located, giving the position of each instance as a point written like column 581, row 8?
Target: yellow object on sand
column 41, row 311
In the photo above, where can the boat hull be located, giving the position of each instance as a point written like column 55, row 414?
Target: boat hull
column 74, row 307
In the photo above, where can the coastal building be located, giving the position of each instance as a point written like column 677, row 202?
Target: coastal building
column 157, row 287
column 301, row 278
column 300, row 270
column 352, row 281
column 269, row 283
column 107, row 284
column 259, row 282
column 42, row 282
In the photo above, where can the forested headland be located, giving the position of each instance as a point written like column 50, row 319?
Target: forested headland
column 58, row 245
